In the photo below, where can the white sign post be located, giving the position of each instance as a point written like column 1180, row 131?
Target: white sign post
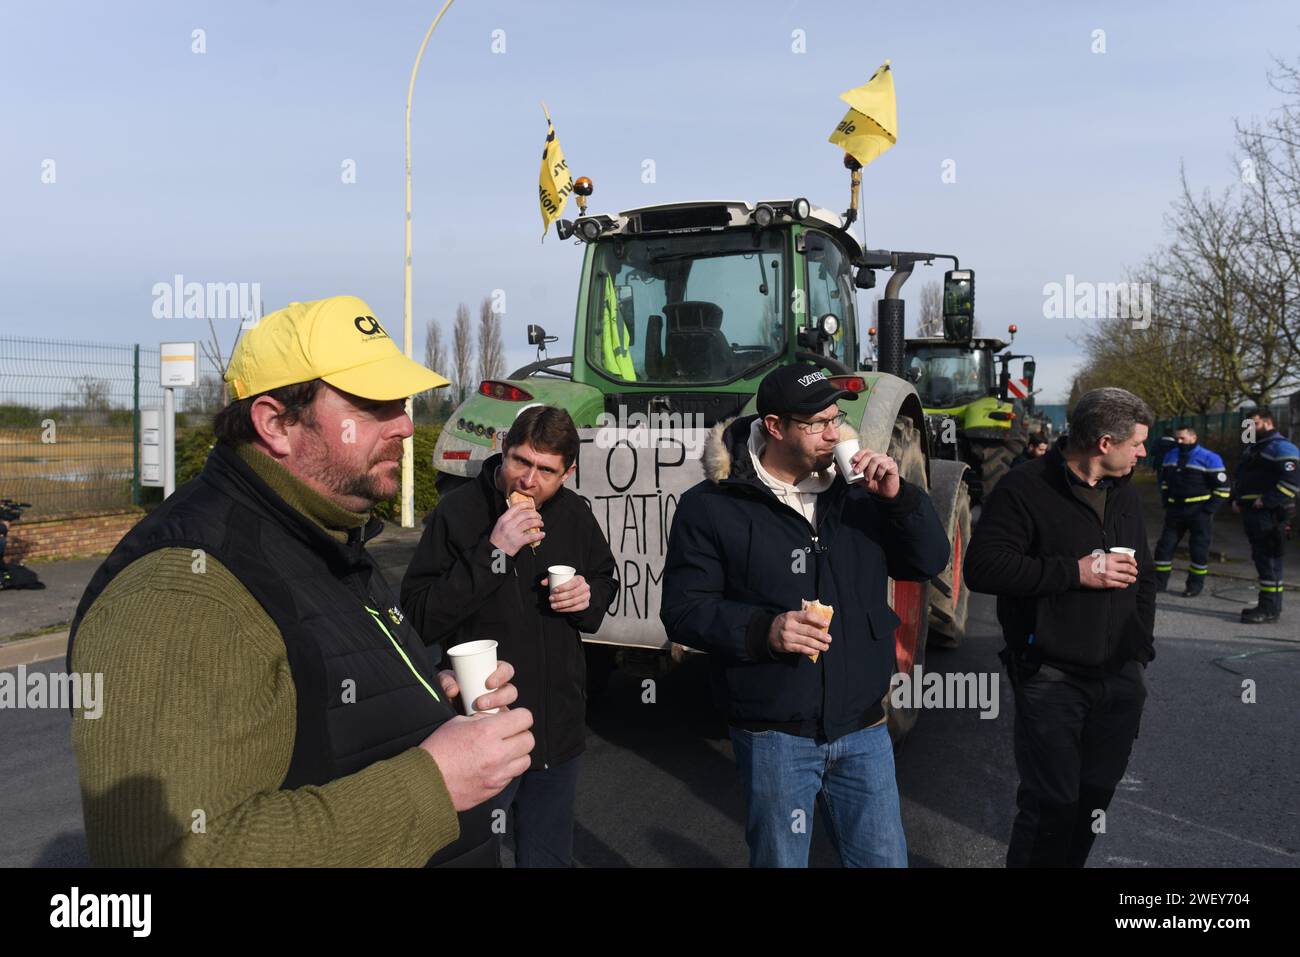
column 177, row 368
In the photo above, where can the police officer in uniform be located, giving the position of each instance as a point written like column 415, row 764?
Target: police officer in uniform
column 1265, row 492
column 1193, row 484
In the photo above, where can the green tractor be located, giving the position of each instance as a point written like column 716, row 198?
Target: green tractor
column 682, row 309
column 975, row 411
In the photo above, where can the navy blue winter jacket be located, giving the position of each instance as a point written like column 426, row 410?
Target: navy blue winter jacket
column 738, row 557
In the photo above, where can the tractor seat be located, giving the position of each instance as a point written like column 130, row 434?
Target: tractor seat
column 696, row 347
column 942, row 392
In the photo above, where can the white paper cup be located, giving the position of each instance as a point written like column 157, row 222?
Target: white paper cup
column 559, row 574
column 1121, row 550
column 472, row 662
column 844, row 452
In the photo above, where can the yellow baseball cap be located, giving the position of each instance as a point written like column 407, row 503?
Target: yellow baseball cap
column 338, row 340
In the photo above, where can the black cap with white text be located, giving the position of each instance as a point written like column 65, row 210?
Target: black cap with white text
column 801, row 389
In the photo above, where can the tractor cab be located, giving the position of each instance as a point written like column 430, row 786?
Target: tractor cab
column 686, row 307
column 949, row 374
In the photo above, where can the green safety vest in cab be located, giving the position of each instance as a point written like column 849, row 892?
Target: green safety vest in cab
column 613, row 337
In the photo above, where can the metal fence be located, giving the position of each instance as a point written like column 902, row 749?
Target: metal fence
column 1225, row 432
column 70, row 421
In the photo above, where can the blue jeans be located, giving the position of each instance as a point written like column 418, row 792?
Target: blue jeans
column 783, row 774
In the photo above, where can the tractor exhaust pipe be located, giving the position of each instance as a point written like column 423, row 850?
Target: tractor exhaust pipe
column 889, row 323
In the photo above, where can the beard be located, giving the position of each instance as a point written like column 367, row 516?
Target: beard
column 333, row 468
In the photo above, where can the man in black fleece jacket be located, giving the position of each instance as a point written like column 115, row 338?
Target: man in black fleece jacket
column 1078, row 620
column 480, row 571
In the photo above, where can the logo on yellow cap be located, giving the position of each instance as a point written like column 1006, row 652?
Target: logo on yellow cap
column 369, row 325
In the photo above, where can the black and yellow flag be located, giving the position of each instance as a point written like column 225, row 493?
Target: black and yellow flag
column 555, row 182
column 871, row 125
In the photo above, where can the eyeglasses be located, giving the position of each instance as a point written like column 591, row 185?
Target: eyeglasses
column 817, row 427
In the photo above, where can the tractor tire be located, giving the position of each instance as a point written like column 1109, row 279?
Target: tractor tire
column 949, row 596
column 910, row 600
column 994, row 462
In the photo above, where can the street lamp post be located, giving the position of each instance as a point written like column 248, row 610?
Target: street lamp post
column 408, row 444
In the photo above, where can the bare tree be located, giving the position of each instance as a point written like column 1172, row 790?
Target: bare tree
column 1225, row 328
column 91, row 394
column 491, row 351
column 435, row 353
column 931, row 321
column 462, row 352
column 435, row 358
column 209, row 395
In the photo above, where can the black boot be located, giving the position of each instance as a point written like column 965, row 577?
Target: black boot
column 1195, row 585
column 1162, row 581
column 1268, row 610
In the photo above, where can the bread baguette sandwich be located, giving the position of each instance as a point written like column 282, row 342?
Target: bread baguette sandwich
column 516, row 498
column 825, row 612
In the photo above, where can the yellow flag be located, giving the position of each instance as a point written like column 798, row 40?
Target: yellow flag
column 871, row 125
column 555, row 182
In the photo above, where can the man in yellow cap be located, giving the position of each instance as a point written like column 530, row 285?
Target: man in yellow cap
column 266, row 700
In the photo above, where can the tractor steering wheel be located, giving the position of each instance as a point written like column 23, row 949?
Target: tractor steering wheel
column 816, row 358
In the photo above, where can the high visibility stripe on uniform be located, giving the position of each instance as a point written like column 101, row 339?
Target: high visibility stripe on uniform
column 1272, row 589
column 1222, row 492
column 1285, row 491
column 1199, row 570
column 1164, row 568
column 1189, row 501
column 1247, row 498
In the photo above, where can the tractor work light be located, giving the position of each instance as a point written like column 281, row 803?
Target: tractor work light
column 503, row 391
column 830, row 324
column 763, row 215
column 800, row 208
column 589, row 230
column 564, row 228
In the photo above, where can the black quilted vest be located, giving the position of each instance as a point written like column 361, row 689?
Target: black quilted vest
column 319, row 592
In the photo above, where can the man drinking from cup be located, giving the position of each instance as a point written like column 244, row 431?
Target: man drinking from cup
column 480, row 574
column 778, row 566
column 1062, row 543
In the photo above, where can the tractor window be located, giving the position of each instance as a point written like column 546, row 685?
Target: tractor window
column 830, row 289
column 949, row 376
column 686, row 309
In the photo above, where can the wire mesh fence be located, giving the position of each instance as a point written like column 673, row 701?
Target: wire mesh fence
column 1226, row 432
column 70, row 423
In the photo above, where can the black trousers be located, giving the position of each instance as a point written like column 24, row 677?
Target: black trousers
column 544, row 809
column 1197, row 521
column 1266, row 530
column 1072, row 741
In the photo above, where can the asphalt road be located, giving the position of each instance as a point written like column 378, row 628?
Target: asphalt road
column 1212, row 782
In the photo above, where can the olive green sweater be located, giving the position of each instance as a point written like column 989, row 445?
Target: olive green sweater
column 184, row 766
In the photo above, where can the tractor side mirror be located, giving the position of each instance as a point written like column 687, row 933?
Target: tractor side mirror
column 958, row 303
column 536, row 335
column 865, row 278
column 1029, row 368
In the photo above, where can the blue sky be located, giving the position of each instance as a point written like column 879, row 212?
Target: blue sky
column 226, row 166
